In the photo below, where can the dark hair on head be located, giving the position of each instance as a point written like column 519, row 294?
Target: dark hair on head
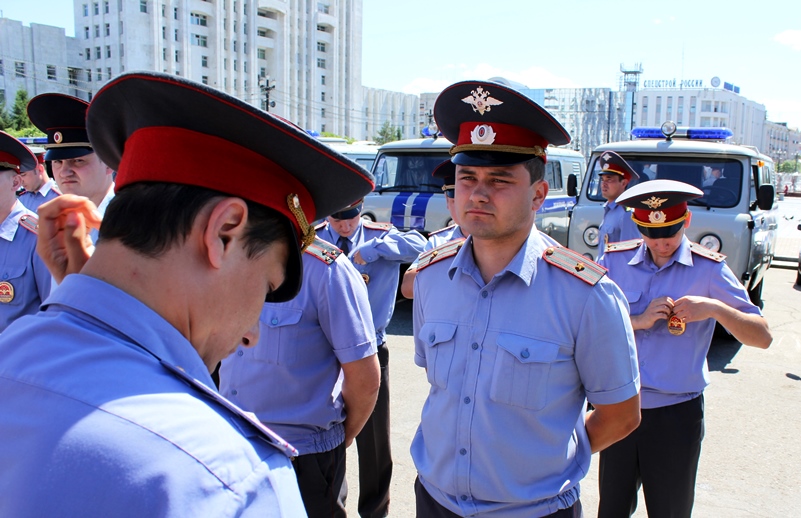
column 535, row 168
column 149, row 218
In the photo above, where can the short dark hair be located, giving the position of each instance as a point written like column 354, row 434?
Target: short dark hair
column 535, row 168
column 149, row 218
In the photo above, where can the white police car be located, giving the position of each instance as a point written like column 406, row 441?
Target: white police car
column 407, row 196
column 737, row 214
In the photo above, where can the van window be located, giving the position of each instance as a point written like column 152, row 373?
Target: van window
column 553, row 175
column 408, row 172
column 720, row 179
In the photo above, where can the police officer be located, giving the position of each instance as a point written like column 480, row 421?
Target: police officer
column 447, row 171
column 616, row 175
column 291, row 378
column 676, row 291
column 108, row 405
column 24, row 279
column 377, row 250
column 38, row 187
column 76, row 168
column 514, row 331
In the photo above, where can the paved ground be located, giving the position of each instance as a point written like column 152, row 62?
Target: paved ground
column 789, row 240
column 750, row 461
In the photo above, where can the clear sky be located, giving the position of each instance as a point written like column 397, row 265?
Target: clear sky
column 423, row 45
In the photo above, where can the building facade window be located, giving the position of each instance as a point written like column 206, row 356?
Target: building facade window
column 323, row 8
column 680, row 111
column 204, row 80
column 262, row 72
column 120, row 26
column 89, row 75
column 175, row 13
column 86, row 9
column 108, row 72
column 322, row 96
column 198, row 19
column 86, row 33
column 51, row 72
column 105, row 7
column 706, row 106
column 322, row 113
column 693, row 101
column 99, row 74
column 72, row 73
column 142, row 6
column 320, row 63
column 644, row 112
column 164, row 54
column 322, row 28
column 200, row 41
column 321, row 46
column 177, row 56
column 108, row 29
column 164, row 33
column 261, row 53
column 176, row 35
column 669, row 115
column 87, row 53
column 658, row 109
column 122, row 49
column 98, row 54
column 108, row 51
column 204, row 61
column 97, row 31
column 322, row 80
column 96, row 8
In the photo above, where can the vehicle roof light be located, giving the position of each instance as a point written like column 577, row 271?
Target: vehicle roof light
column 668, row 129
column 644, row 132
column 682, row 133
column 709, row 133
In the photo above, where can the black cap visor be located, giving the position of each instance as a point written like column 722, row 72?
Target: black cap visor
column 490, row 158
column 65, row 153
column 660, row 232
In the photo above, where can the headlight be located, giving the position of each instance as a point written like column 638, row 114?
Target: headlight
column 711, row 242
column 591, row 236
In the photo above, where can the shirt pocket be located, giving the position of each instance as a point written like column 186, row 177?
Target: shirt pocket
column 634, row 298
column 13, row 274
column 276, row 344
column 439, row 340
column 521, row 371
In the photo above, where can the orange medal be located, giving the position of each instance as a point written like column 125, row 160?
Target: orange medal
column 6, row 292
column 675, row 325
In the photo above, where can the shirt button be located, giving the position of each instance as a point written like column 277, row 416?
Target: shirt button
column 5, row 276
column 467, row 401
column 474, row 346
column 432, row 337
column 524, row 353
column 463, row 451
column 240, row 353
column 233, row 392
column 463, row 497
column 483, row 294
column 274, row 321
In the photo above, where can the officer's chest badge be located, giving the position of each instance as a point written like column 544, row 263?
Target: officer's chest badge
column 366, row 279
column 6, row 292
column 481, row 101
column 675, row 325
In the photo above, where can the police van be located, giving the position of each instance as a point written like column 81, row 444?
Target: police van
column 407, row 196
column 362, row 153
column 737, row 214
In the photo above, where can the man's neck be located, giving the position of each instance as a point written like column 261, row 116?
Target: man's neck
column 98, row 198
column 6, row 206
column 493, row 255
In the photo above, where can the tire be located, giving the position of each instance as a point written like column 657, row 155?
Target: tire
column 755, row 294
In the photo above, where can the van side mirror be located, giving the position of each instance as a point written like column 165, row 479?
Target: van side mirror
column 765, row 196
column 572, row 185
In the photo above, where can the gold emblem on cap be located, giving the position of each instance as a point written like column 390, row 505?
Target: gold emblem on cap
column 480, row 100
column 6, row 292
column 653, row 202
column 675, row 325
column 58, row 137
column 657, row 217
column 482, row 134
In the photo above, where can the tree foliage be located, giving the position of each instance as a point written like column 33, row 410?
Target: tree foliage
column 387, row 133
column 788, row 166
column 17, row 122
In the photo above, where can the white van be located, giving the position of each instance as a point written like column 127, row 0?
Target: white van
column 362, row 153
column 407, row 196
column 737, row 214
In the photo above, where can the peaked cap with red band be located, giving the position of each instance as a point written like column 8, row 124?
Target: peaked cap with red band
column 494, row 125
column 153, row 127
column 15, row 155
column 612, row 163
column 660, row 206
column 63, row 119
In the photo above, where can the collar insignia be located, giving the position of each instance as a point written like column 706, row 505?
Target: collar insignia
column 482, row 134
column 653, row 202
column 481, row 101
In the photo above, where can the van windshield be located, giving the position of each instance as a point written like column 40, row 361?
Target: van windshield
column 720, row 178
column 408, row 172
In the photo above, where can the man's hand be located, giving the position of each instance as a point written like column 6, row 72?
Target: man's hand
column 658, row 309
column 64, row 243
column 357, row 258
column 693, row 309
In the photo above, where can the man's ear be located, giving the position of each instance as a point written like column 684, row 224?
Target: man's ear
column 225, row 228
column 17, row 181
column 540, row 192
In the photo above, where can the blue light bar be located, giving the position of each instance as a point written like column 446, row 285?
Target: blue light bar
column 33, row 140
column 709, row 133
column 313, row 133
column 645, row 132
column 426, row 131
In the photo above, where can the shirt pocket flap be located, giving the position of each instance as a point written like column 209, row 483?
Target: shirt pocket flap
column 435, row 333
column 632, row 296
column 528, row 350
column 12, row 271
column 280, row 317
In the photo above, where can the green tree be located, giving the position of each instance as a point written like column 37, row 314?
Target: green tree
column 788, row 166
column 19, row 112
column 387, row 133
column 5, row 120
column 350, row 140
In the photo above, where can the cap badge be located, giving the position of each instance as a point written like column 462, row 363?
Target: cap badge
column 6, row 292
column 58, row 137
column 482, row 134
column 656, row 217
column 675, row 325
column 606, row 157
column 653, row 202
column 481, row 101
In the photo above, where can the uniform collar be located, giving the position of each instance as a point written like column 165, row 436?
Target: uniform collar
column 9, row 226
column 523, row 264
column 46, row 187
column 106, row 199
column 682, row 255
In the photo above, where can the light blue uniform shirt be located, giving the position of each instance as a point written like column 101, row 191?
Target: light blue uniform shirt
column 616, row 226
column 674, row 368
column 384, row 251
column 21, row 267
column 440, row 237
column 291, row 378
column 46, row 192
column 510, row 363
column 95, row 426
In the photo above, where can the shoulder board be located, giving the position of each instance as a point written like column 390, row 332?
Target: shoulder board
column 439, row 253
column 56, row 190
column 574, row 264
column 449, row 227
column 620, row 246
column 705, row 252
column 320, row 226
column 20, row 193
column 30, row 222
column 377, row 226
column 323, row 250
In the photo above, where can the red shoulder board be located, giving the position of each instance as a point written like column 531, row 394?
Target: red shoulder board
column 56, row 190
column 21, row 192
column 449, row 227
column 30, row 222
column 574, row 264
column 320, row 226
column 377, row 226
column 323, row 250
column 706, row 252
column 439, row 253
column 620, row 246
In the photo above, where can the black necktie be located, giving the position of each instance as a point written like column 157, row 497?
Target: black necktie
column 344, row 244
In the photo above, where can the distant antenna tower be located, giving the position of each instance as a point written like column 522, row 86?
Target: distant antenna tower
column 630, row 82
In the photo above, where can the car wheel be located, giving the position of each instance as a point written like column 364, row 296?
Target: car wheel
column 755, row 294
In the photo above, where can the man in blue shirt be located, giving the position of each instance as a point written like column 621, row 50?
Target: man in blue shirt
column 39, row 187
column 676, row 291
column 515, row 332
column 616, row 175
column 108, row 405
column 24, row 279
column 313, row 376
column 377, row 250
